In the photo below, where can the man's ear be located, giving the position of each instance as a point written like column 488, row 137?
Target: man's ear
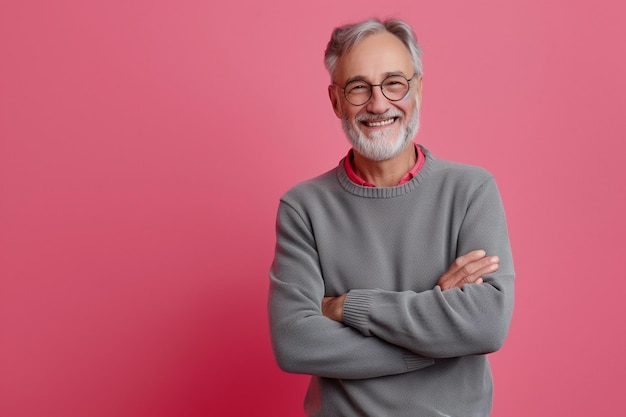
column 419, row 92
column 334, row 99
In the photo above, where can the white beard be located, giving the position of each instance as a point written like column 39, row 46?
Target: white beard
column 378, row 146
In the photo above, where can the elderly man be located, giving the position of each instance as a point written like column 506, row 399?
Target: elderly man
column 393, row 275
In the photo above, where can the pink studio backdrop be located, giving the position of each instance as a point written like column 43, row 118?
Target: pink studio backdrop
column 144, row 146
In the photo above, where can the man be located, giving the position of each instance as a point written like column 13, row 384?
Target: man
column 393, row 275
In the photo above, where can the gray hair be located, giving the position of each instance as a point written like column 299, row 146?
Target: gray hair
column 346, row 37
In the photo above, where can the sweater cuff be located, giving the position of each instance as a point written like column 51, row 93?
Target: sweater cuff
column 355, row 310
column 414, row 362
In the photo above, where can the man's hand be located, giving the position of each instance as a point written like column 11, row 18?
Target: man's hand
column 468, row 269
column 332, row 307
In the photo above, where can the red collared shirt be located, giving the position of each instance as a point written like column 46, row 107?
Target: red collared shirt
column 355, row 178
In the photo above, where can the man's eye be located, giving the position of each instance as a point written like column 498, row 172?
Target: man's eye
column 358, row 88
column 395, row 82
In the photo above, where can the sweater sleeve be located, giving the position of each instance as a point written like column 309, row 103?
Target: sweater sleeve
column 305, row 341
column 470, row 320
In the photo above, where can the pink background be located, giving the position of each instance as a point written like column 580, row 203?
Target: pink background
column 144, row 146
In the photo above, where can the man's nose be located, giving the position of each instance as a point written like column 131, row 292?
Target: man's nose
column 378, row 102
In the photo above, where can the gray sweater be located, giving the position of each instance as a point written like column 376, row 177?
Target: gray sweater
column 406, row 347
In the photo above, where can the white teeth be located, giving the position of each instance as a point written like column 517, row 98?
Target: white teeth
column 381, row 123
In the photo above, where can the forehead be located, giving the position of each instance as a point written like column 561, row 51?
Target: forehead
column 373, row 57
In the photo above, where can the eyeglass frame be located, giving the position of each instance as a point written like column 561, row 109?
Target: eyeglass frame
column 408, row 80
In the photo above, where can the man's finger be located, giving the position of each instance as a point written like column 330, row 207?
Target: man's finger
column 463, row 260
column 467, row 269
column 477, row 275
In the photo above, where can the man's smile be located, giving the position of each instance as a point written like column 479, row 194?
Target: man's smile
column 379, row 123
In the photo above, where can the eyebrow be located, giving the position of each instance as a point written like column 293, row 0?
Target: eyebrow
column 385, row 75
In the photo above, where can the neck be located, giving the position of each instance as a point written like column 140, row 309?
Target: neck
column 389, row 172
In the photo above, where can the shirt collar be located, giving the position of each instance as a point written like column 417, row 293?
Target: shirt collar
column 355, row 178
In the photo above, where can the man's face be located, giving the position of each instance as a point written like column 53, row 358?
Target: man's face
column 379, row 129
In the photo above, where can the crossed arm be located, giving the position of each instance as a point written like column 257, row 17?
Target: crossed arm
column 466, row 269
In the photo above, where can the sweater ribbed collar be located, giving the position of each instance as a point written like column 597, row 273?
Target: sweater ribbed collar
column 385, row 192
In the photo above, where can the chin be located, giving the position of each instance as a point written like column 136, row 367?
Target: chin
column 378, row 146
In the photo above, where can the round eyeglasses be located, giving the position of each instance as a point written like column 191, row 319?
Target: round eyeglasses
column 394, row 88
